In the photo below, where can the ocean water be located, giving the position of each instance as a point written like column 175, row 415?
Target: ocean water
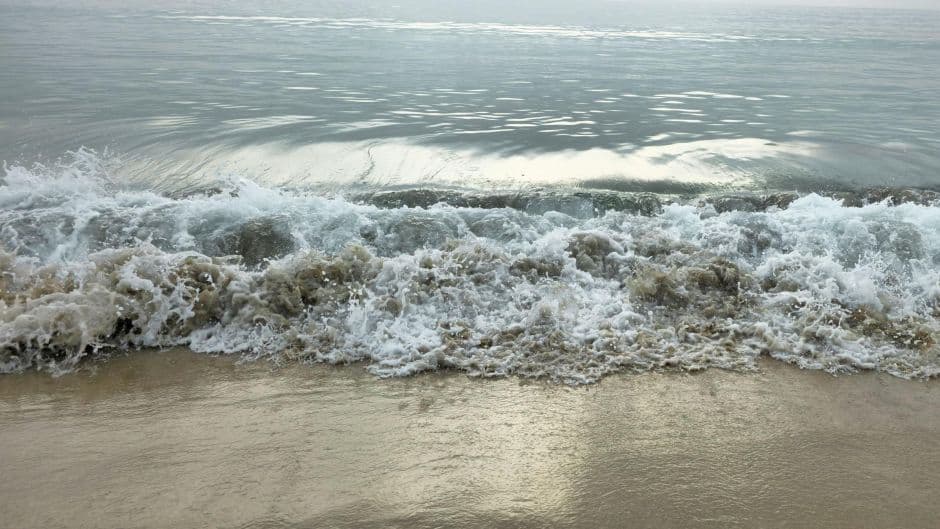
column 560, row 191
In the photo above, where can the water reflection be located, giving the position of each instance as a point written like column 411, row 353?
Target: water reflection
column 176, row 90
column 369, row 164
column 169, row 438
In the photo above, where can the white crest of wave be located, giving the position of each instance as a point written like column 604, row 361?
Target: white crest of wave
column 88, row 266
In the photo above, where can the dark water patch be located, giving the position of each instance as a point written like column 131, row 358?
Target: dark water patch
column 578, row 204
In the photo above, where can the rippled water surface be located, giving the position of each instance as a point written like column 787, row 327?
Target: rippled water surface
column 603, row 94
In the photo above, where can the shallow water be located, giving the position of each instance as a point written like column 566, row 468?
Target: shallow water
column 177, row 439
column 602, row 94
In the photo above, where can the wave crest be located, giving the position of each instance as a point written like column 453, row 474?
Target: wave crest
column 524, row 288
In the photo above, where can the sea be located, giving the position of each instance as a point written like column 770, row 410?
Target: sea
column 558, row 190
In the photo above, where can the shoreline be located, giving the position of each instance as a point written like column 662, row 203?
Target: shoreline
column 152, row 356
column 189, row 440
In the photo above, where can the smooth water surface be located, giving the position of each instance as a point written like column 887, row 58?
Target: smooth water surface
column 182, row 440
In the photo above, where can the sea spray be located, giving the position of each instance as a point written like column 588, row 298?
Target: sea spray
column 515, row 287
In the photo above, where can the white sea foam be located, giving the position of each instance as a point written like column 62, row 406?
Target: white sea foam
column 566, row 286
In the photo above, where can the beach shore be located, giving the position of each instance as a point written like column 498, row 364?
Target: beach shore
column 176, row 439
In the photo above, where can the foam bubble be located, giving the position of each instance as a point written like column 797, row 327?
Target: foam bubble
column 569, row 286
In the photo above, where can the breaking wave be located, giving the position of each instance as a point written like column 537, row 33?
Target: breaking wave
column 565, row 285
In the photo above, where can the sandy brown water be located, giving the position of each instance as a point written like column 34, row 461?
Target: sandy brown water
column 174, row 439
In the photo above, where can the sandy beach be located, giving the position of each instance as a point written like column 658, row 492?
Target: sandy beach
column 175, row 439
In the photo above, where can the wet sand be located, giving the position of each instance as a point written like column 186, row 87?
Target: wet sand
column 174, row 439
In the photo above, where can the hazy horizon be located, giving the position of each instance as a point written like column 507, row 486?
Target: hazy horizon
column 190, row 5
